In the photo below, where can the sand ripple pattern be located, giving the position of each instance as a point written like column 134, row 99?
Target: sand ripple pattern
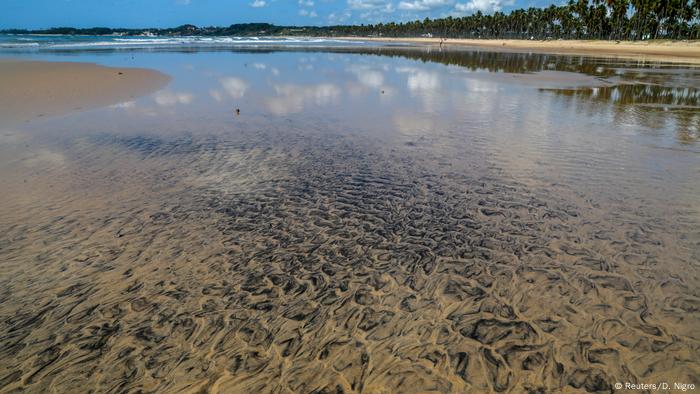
column 319, row 264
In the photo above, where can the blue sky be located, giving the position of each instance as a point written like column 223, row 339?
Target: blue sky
column 164, row 13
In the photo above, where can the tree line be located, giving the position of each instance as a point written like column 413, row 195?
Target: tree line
column 582, row 19
column 579, row 19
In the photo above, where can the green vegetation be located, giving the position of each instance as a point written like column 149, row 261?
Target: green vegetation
column 582, row 19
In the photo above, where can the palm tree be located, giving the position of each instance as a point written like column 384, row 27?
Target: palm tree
column 582, row 19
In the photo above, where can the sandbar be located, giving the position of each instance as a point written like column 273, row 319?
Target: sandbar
column 35, row 89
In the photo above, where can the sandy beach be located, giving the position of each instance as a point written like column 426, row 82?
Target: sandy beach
column 413, row 222
column 31, row 89
column 686, row 52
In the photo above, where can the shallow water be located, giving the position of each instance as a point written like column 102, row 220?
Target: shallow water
column 373, row 220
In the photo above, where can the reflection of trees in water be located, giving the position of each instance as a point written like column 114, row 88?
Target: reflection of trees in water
column 648, row 105
column 473, row 59
column 662, row 96
column 510, row 62
column 494, row 61
column 688, row 128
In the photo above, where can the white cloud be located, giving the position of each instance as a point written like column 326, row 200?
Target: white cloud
column 235, row 87
column 383, row 5
column 125, row 104
column 423, row 5
column 368, row 76
column 259, row 66
column 293, row 98
column 306, row 3
column 339, row 18
column 485, row 6
column 310, row 14
column 371, row 78
column 424, row 84
column 420, row 80
column 216, row 95
column 168, row 98
column 423, row 81
column 258, row 3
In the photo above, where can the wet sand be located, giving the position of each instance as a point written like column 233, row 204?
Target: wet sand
column 289, row 256
column 686, row 52
column 332, row 268
column 32, row 89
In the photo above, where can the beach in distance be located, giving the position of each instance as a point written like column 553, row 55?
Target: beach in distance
column 678, row 51
column 196, row 214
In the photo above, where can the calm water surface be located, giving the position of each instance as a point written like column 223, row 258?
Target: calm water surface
column 372, row 219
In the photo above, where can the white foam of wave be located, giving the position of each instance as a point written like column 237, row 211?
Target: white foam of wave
column 18, row 44
column 177, row 41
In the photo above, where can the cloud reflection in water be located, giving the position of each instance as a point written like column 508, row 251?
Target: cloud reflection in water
column 292, row 98
column 166, row 98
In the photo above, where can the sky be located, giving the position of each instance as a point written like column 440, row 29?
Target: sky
column 37, row 14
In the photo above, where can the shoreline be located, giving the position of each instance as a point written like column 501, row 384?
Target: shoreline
column 685, row 52
column 31, row 89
